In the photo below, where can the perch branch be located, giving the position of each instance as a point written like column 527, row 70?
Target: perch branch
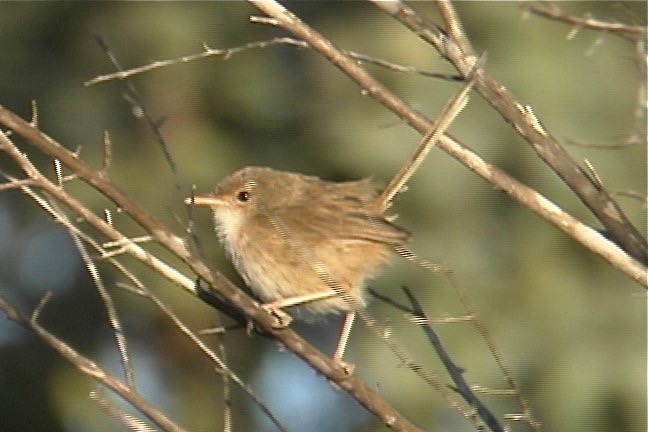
column 89, row 368
column 522, row 118
column 221, row 286
column 588, row 237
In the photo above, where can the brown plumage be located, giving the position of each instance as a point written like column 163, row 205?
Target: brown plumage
column 290, row 235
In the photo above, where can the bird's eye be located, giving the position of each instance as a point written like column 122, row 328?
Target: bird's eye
column 243, row 196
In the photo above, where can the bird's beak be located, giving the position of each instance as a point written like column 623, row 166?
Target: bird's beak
column 203, row 200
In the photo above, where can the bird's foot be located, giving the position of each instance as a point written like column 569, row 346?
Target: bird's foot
column 349, row 368
column 282, row 319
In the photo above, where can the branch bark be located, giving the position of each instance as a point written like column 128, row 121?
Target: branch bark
column 586, row 236
column 232, row 294
column 522, row 118
column 89, row 368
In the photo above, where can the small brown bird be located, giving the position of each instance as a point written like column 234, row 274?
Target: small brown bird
column 300, row 240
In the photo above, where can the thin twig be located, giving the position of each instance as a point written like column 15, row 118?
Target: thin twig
column 125, row 419
column 77, row 235
column 227, row 401
column 643, row 199
column 401, row 68
column 390, row 301
column 452, row 108
column 455, row 372
column 621, row 145
column 153, row 124
column 227, row 53
column 106, row 298
column 553, row 11
column 50, row 207
column 526, row 123
column 220, row 287
column 89, row 368
column 527, row 415
column 586, row 236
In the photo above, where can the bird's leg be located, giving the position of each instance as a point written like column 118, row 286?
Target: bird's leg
column 283, row 318
column 342, row 342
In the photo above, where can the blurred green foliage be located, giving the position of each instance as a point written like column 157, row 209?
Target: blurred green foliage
column 572, row 328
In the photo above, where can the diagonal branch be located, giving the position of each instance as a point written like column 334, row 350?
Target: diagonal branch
column 456, row 372
column 522, row 118
column 447, row 116
column 89, row 368
column 78, row 235
column 526, row 196
column 222, row 287
column 227, row 53
column 552, row 11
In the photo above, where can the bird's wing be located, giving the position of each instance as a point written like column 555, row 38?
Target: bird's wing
column 330, row 222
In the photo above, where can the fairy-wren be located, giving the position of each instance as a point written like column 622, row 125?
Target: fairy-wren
column 299, row 240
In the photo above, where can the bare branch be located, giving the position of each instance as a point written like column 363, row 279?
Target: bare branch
column 527, row 415
column 138, row 252
column 225, row 370
column 636, row 34
column 587, row 236
column 125, row 419
column 525, row 123
column 447, row 116
column 553, row 11
column 15, row 184
column 453, row 26
column 109, row 304
column 226, row 54
column 222, row 287
column 141, row 290
column 89, row 368
column 455, row 372
column 133, row 95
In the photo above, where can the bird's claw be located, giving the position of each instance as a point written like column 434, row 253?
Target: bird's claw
column 349, row 368
column 283, row 320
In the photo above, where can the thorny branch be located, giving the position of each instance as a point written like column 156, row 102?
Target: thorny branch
column 594, row 196
column 39, row 181
column 521, row 116
column 454, row 371
column 588, row 237
column 227, row 53
column 348, row 63
column 553, row 11
column 222, row 287
column 87, row 367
